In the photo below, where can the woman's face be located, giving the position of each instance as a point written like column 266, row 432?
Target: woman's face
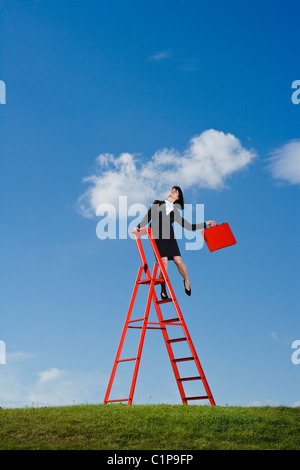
column 174, row 193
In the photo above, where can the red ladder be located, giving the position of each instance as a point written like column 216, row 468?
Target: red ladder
column 151, row 281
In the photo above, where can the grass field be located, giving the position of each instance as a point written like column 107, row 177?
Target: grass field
column 149, row 427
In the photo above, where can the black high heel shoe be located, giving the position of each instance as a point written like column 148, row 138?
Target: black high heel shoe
column 188, row 292
column 164, row 296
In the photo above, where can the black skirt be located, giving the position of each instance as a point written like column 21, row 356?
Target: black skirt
column 168, row 247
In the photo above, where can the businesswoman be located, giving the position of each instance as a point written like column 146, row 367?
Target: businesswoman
column 162, row 215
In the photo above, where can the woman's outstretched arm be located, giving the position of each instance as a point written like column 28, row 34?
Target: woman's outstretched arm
column 192, row 227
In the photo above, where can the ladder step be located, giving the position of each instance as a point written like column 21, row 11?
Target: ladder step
column 176, row 340
column 147, row 281
column 129, row 359
column 203, row 397
column 181, row 359
column 148, row 327
column 170, row 320
column 122, row 399
column 165, row 301
column 183, row 379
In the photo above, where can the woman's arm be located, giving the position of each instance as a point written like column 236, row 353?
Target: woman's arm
column 192, row 227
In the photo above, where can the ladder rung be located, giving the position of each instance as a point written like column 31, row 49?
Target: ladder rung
column 164, row 301
column 170, row 320
column 181, row 359
column 139, row 319
column 148, row 323
column 148, row 327
column 203, row 397
column 122, row 399
column 176, row 340
column 155, row 328
column 183, row 379
column 129, row 359
column 147, row 281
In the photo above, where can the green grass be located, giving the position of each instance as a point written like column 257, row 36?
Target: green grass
column 150, row 427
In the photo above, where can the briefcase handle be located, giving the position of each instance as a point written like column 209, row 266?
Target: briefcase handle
column 210, row 226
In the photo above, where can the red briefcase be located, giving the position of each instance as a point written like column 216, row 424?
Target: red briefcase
column 218, row 237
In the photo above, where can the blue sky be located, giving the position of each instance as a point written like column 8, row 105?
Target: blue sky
column 138, row 81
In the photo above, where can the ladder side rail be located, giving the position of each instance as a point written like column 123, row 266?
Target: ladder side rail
column 141, row 250
column 125, row 328
column 143, row 332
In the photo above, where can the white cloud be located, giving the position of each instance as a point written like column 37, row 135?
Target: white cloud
column 18, row 356
column 209, row 160
column 274, row 335
column 284, row 163
column 160, row 55
column 50, row 374
column 281, row 338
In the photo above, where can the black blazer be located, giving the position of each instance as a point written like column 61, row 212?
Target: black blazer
column 162, row 224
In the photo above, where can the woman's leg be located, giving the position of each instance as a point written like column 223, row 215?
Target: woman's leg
column 163, row 285
column 183, row 271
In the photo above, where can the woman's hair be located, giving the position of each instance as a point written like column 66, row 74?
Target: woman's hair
column 180, row 197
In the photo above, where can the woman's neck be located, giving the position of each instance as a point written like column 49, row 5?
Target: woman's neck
column 171, row 199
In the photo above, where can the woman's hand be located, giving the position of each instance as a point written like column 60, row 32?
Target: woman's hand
column 135, row 231
column 212, row 223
